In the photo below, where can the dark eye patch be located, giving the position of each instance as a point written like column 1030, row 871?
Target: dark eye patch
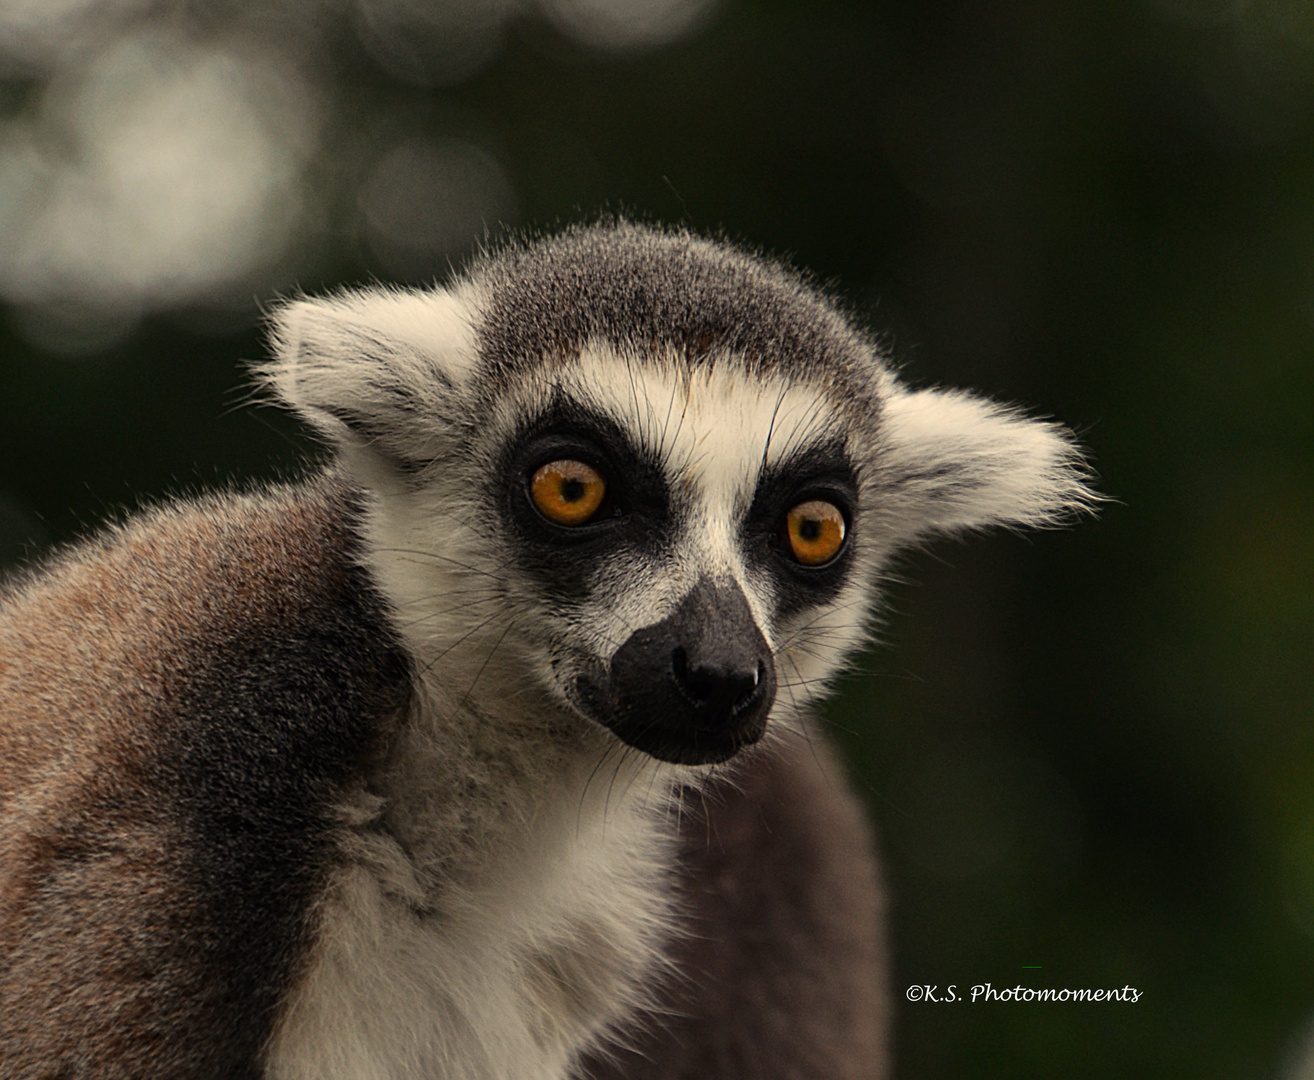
column 823, row 472
column 634, row 513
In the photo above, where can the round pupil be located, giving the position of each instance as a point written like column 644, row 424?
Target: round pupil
column 572, row 489
column 809, row 529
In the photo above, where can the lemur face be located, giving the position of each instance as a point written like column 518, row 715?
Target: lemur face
column 642, row 481
column 691, row 536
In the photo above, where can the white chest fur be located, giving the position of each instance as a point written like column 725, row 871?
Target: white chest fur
column 501, row 969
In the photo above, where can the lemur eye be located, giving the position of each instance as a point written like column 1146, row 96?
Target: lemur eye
column 567, row 492
column 815, row 530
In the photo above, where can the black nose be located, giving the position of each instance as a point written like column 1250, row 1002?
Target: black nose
column 697, row 686
column 718, row 689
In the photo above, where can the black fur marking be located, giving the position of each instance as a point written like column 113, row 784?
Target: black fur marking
column 636, row 512
column 822, row 471
column 320, row 693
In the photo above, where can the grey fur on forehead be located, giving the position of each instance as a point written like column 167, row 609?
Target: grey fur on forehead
column 634, row 287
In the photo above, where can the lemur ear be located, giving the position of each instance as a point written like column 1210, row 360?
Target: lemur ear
column 377, row 370
column 952, row 461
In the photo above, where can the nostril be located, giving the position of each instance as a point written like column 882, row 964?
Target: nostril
column 750, row 692
column 715, row 688
column 697, row 683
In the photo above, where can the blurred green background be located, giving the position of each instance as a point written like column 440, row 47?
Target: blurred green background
column 1089, row 751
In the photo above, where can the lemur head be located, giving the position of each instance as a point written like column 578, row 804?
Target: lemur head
column 644, row 480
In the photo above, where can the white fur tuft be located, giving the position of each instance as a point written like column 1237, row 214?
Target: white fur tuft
column 951, row 461
column 376, row 367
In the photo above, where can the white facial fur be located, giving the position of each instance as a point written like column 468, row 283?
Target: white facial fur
column 714, row 429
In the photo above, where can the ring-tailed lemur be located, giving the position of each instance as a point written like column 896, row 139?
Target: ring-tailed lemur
column 414, row 768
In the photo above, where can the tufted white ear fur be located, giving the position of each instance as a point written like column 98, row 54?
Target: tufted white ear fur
column 377, row 369
column 952, row 461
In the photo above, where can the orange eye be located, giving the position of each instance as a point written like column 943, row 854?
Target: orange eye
column 567, row 492
column 816, row 531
